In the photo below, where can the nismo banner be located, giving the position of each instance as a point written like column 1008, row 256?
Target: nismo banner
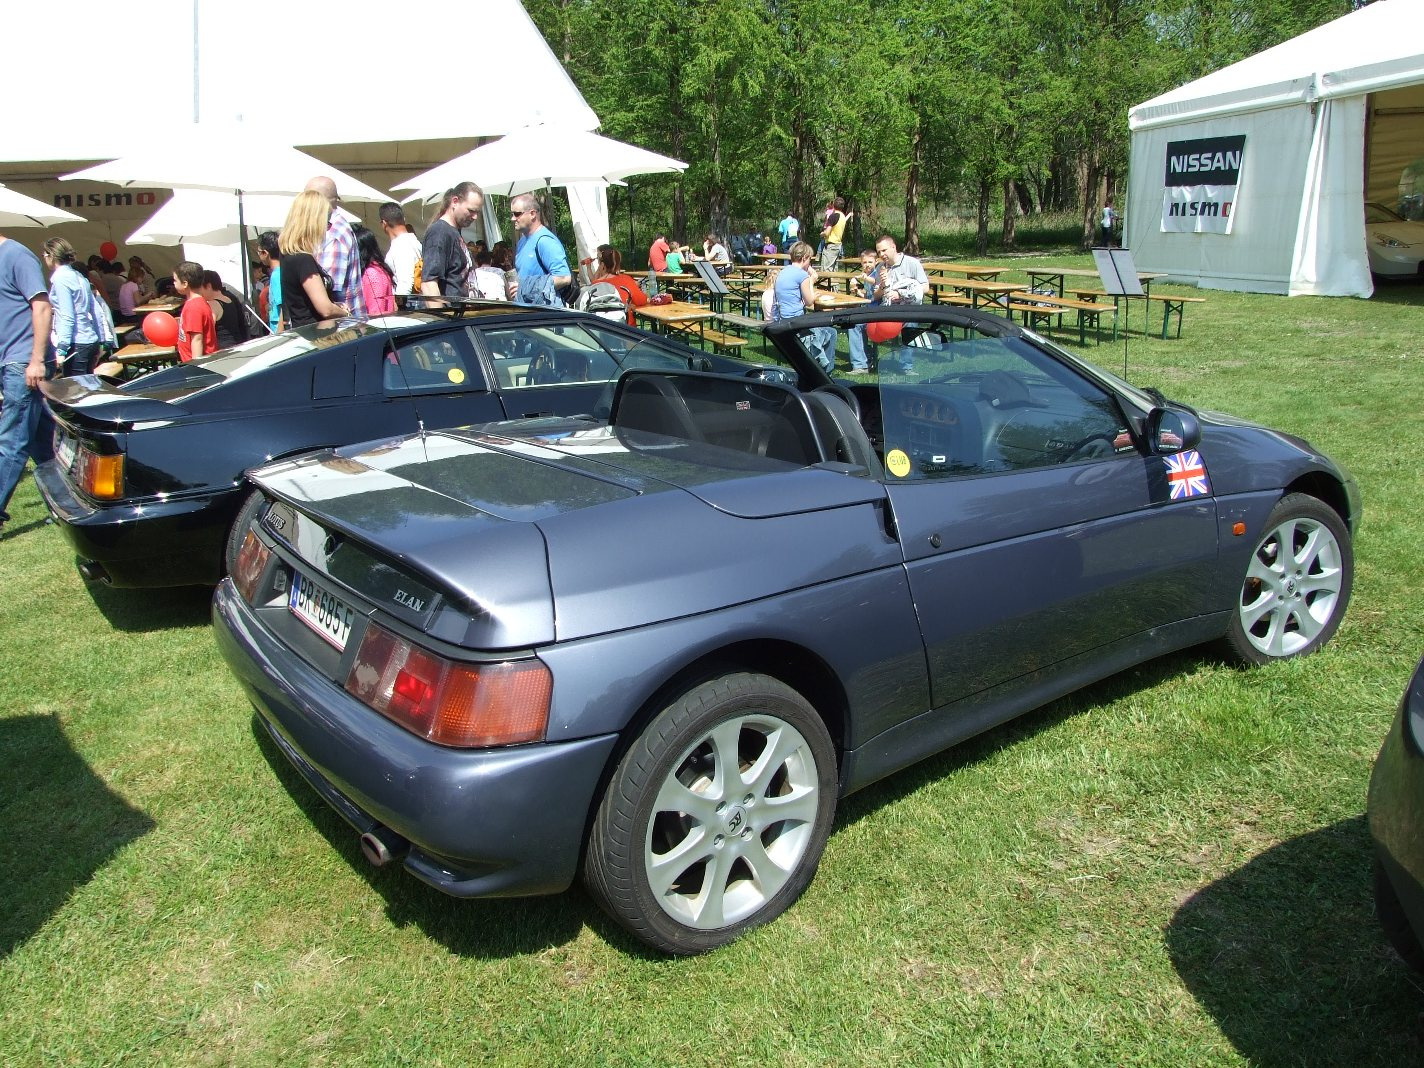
column 1199, row 190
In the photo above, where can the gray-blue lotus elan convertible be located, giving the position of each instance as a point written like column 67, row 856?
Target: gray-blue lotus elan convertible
column 653, row 651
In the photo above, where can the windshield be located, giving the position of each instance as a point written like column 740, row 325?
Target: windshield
column 1378, row 213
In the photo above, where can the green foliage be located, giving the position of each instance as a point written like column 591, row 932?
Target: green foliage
column 892, row 104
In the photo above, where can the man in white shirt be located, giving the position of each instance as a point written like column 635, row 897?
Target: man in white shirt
column 404, row 252
column 903, row 281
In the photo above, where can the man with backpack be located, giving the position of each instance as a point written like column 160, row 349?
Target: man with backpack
column 540, row 264
column 404, row 252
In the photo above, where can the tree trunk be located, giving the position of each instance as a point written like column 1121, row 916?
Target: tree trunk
column 981, row 239
column 1090, row 170
column 912, row 189
column 1011, row 214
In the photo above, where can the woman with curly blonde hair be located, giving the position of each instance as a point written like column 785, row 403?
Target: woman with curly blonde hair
column 308, row 295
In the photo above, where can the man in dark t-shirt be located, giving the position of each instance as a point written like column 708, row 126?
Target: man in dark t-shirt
column 445, row 261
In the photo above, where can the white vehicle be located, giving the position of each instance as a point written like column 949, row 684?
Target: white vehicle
column 1395, row 245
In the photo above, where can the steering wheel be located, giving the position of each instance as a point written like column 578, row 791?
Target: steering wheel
column 844, row 393
column 1089, row 447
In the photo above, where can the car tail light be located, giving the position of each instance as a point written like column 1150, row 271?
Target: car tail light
column 251, row 560
column 101, row 477
column 447, row 701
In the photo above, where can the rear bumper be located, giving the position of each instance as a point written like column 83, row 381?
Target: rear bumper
column 480, row 822
column 156, row 543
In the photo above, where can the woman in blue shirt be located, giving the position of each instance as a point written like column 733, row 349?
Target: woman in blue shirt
column 75, row 332
column 795, row 289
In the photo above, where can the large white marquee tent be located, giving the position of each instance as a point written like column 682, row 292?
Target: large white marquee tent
column 382, row 93
column 1331, row 119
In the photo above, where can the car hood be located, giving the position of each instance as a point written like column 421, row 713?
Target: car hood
column 1406, row 233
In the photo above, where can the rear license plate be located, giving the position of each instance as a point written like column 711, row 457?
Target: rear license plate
column 320, row 609
column 64, row 451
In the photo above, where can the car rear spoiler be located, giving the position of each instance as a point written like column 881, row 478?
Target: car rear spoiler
column 91, row 402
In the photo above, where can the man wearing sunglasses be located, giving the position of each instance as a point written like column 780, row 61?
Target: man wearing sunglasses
column 539, row 259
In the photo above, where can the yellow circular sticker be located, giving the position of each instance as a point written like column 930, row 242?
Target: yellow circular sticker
column 898, row 463
column 455, row 375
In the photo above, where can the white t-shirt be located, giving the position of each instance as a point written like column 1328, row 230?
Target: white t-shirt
column 401, row 259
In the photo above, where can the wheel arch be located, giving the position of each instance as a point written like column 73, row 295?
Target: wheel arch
column 1327, row 489
column 787, row 662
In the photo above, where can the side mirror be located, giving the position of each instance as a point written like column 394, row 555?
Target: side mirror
column 1171, row 430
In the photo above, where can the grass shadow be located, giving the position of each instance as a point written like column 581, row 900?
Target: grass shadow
column 67, row 821
column 139, row 611
column 1408, row 292
column 905, row 782
column 485, row 928
column 1288, row 957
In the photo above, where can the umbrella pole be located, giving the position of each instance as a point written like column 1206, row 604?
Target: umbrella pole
column 631, row 243
column 242, row 255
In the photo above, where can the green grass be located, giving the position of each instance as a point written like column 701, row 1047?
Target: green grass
column 1170, row 868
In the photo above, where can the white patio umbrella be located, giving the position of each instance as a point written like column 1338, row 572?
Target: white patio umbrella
column 537, row 156
column 221, row 158
column 230, row 159
column 203, row 217
column 16, row 209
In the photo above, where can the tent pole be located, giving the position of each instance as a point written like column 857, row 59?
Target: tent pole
column 632, row 245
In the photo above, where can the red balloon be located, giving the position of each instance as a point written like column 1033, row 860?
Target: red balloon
column 109, row 250
column 160, row 328
column 878, row 332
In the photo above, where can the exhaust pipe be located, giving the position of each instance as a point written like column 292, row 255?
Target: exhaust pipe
column 92, row 571
column 381, row 845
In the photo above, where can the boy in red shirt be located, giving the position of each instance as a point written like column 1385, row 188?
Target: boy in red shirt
column 197, row 330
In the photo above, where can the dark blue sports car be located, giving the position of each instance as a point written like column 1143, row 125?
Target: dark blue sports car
column 658, row 649
column 147, row 483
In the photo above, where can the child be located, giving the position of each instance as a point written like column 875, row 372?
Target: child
column 674, row 260
column 768, row 247
column 197, row 330
column 869, row 276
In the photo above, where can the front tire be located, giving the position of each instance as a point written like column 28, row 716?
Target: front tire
column 1297, row 583
column 716, row 817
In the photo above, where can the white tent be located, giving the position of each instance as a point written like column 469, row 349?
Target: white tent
column 386, row 106
column 1254, row 177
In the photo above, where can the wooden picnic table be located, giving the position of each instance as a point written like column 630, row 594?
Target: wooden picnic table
column 158, row 305
column 684, row 317
column 143, row 357
column 987, row 274
column 979, row 292
column 833, row 299
column 843, row 277
column 773, row 257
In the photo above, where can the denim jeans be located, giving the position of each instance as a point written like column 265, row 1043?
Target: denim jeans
column 82, row 359
column 26, row 429
column 856, row 338
column 821, row 346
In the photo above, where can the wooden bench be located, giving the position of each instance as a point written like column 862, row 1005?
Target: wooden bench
column 1042, row 306
column 719, row 339
column 1170, row 304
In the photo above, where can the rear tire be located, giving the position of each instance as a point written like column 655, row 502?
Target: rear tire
column 716, row 817
column 1297, row 583
column 238, row 531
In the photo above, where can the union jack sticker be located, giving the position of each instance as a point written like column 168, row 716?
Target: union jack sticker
column 1186, row 475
